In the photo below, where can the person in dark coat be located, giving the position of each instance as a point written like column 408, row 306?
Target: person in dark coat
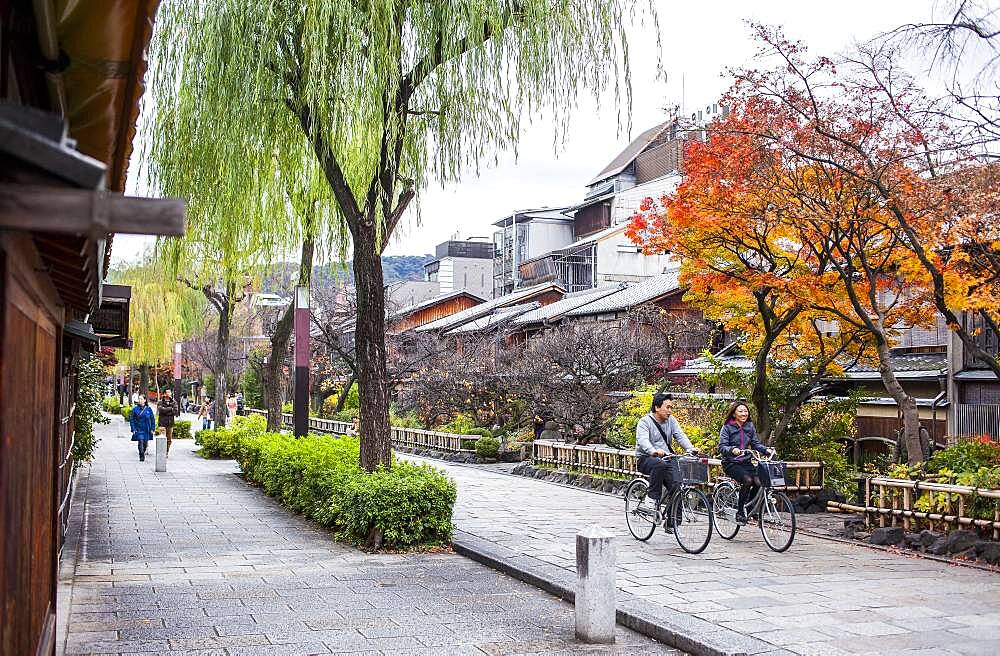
column 143, row 424
column 736, row 438
column 166, row 411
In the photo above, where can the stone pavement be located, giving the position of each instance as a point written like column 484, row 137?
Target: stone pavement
column 820, row 597
column 194, row 561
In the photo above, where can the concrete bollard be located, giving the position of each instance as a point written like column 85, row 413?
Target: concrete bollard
column 595, row 585
column 161, row 453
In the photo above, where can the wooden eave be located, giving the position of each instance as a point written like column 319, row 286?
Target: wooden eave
column 41, row 194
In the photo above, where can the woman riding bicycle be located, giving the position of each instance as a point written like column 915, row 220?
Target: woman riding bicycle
column 737, row 436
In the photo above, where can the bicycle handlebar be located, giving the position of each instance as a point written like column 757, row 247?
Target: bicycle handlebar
column 756, row 456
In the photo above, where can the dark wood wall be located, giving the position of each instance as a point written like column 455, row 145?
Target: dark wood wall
column 29, row 390
column 432, row 313
column 887, row 426
column 987, row 392
column 592, row 218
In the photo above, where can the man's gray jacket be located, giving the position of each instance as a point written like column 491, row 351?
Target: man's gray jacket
column 648, row 438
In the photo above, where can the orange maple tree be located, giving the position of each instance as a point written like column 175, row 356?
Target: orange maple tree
column 731, row 221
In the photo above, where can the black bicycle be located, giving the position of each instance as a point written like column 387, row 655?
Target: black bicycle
column 773, row 510
column 687, row 512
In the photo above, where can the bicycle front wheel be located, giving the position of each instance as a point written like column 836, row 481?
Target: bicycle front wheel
column 641, row 523
column 692, row 516
column 777, row 521
column 725, row 503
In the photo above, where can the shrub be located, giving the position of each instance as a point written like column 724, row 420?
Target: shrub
column 967, row 456
column 408, row 504
column 225, row 442
column 488, row 447
column 345, row 415
column 111, row 405
column 182, row 430
column 621, row 432
column 482, row 432
column 408, row 420
column 461, row 425
column 320, row 477
column 812, row 436
column 126, row 411
column 88, row 408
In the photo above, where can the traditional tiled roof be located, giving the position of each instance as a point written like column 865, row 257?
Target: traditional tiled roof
column 631, row 296
column 483, row 309
column 569, row 302
column 906, row 366
column 500, row 316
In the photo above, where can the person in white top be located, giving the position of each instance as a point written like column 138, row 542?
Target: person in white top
column 654, row 434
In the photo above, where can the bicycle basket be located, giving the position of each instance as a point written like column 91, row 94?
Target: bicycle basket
column 773, row 473
column 694, row 470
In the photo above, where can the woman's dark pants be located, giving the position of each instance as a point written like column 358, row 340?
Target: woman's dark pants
column 142, row 448
column 744, row 474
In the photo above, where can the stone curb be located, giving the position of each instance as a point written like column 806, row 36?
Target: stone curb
column 670, row 627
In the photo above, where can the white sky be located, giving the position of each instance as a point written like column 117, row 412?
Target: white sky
column 699, row 41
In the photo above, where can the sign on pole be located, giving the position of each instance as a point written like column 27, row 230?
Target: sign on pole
column 177, row 373
column 300, row 400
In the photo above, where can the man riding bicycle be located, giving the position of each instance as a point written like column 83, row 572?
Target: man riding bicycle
column 654, row 434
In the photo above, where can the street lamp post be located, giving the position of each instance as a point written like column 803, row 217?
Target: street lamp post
column 300, row 401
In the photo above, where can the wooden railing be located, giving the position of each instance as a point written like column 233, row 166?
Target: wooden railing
column 606, row 461
column 413, row 438
column 894, row 502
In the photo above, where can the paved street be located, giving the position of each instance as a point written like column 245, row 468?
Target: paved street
column 820, row 597
column 194, row 561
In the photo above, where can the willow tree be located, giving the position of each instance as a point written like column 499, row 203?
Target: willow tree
column 387, row 96
column 161, row 313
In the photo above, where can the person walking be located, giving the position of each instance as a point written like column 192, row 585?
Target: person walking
column 205, row 414
column 166, row 412
column 143, row 423
column 230, row 406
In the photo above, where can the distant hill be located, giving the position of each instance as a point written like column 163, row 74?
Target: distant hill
column 282, row 276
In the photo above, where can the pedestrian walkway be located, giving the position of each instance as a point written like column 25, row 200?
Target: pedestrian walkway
column 194, row 561
column 821, row 597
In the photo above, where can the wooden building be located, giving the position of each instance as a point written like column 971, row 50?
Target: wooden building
column 540, row 294
column 973, row 386
column 430, row 310
column 69, row 98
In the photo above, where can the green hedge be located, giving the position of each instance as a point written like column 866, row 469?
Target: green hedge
column 182, row 430
column 320, row 477
column 488, row 447
column 225, row 442
column 111, row 405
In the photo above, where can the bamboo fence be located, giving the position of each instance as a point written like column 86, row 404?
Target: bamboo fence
column 893, row 502
column 606, row 461
column 412, row 438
